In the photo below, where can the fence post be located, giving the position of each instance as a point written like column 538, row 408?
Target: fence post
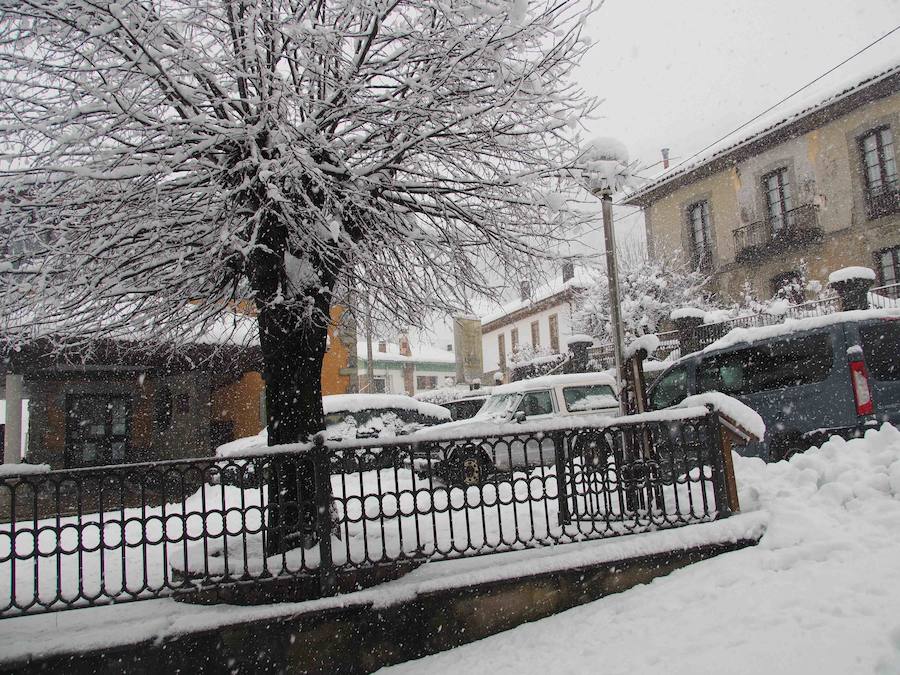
column 852, row 286
column 562, row 496
column 724, row 484
column 327, row 579
column 687, row 322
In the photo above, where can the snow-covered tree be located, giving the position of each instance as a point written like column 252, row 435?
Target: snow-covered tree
column 649, row 290
column 163, row 159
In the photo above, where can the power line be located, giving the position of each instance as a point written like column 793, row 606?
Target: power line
column 786, row 98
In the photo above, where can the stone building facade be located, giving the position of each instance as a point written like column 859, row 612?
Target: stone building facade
column 819, row 188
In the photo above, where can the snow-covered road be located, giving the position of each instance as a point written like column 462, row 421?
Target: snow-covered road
column 820, row 594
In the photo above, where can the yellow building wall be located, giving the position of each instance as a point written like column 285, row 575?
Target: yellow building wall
column 826, row 165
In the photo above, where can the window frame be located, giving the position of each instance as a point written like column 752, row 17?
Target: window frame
column 886, row 156
column 535, row 334
column 501, row 350
column 894, row 253
column 701, row 257
column 553, row 323
column 785, row 203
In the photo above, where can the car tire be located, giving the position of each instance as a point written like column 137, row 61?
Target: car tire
column 469, row 466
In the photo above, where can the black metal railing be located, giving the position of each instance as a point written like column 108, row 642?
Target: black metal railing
column 882, row 201
column 887, row 296
column 796, row 226
column 96, row 536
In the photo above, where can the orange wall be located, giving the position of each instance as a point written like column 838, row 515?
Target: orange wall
column 239, row 402
column 336, row 358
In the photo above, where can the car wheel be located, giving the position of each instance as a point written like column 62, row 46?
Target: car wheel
column 470, row 466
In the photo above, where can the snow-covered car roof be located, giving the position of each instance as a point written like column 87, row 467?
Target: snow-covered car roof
column 554, row 381
column 358, row 402
column 750, row 335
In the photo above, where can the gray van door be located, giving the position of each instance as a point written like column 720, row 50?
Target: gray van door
column 797, row 383
column 880, row 342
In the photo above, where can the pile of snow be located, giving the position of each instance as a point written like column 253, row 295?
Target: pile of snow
column 578, row 337
column 649, row 343
column 817, row 595
column 605, row 161
column 853, row 272
column 10, row 470
column 738, row 412
column 359, row 402
column 687, row 313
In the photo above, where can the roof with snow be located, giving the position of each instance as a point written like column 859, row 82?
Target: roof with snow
column 771, row 129
column 420, row 353
column 540, row 296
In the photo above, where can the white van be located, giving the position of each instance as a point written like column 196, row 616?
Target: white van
column 542, row 398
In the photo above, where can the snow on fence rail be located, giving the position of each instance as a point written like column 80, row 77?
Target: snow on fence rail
column 94, row 536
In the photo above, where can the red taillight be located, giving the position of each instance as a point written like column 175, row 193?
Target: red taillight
column 859, row 378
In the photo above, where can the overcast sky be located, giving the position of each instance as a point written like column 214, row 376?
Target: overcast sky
column 682, row 73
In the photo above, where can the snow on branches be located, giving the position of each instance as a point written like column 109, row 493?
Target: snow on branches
column 649, row 291
column 190, row 152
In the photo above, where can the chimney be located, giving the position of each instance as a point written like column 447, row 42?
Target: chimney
column 404, row 345
column 568, row 271
column 665, row 156
column 382, row 346
column 525, row 289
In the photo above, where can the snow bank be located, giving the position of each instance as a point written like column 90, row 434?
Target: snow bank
column 739, row 412
column 818, row 595
column 649, row 343
column 848, row 273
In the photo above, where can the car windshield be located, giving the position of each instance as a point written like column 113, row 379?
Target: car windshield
column 500, row 404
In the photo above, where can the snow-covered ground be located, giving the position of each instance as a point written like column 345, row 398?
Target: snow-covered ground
column 819, row 594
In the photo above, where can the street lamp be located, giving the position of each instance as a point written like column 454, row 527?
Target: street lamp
column 606, row 169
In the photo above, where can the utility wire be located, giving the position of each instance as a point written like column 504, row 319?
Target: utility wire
column 786, row 98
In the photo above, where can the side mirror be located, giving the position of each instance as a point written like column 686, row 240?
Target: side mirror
column 519, row 416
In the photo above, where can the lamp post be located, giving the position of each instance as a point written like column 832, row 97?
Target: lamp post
column 612, row 275
column 606, row 161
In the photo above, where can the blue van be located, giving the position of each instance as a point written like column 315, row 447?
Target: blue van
column 807, row 378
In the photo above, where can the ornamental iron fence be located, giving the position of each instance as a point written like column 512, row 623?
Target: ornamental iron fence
column 102, row 535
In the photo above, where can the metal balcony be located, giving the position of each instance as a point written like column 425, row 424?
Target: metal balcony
column 797, row 226
column 882, row 201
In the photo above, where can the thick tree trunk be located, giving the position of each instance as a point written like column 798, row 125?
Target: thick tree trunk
column 293, row 344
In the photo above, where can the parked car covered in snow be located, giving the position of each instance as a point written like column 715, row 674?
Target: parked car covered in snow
column 467, row 407
column 807, row 378
column 542, row 398
column 352, row 416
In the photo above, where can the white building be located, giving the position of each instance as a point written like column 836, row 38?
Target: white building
column 401, row 368
column 541, row 318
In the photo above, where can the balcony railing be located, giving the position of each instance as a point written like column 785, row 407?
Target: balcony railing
column 882, row 201
column 797, row 226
